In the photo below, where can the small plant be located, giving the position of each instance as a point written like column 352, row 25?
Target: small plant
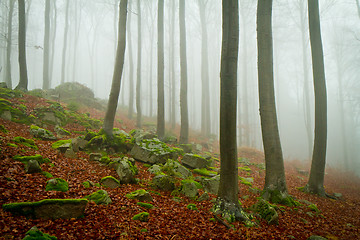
column 191, row 206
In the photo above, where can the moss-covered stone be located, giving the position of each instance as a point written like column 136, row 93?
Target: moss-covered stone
column 313, row 208
column 266, row 211
column 35, row 234
column 26, row 142
column 204, row 172
column 110, row 181
column 59, row 143
column 47, row 174
column 26, row 159
column 99, row 197
column 164, row 182
column 42, row 133
column 145, row 205
column 143, row 217
column 57, row 184
column 9, row 93
column 10, row 111
column 140, row 194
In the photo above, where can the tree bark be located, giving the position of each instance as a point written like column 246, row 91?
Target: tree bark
column 172, row 66
column 138, row 77
column 8, row 78
column 161, row 107
column 118, row 69
column 65, row 42
column 23, row 83
column 184, row 129
column 275, row 175
column 131, row 68
column 46, row 76
column 53, row 37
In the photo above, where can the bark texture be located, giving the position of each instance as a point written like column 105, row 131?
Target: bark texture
column 23, row 83
column 46, row 59
column 160, row 100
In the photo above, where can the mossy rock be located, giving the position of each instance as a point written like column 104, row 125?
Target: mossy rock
column 174, row 168
column 140, row 194
column 47, row 174
column 60, row 143
column 100, row 197
column 52, row 115
column 120, row 143
column 35, row 234
column 142, row 217
column 10, row 111
column 192, row 206
column 164, row 182
column 49, row 208
column 314, row 208
column 145, row 205
column 42, row 133
column 26, row 159
column 266, row 211
column 25, row 142
column 9, row 93
column 3, row 129
column 205, row 172
column 57, row 184
column 110, row 182
column 277, row 197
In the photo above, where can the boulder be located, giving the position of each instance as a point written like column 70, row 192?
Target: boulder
column 95, row 156
column 63, row 148
column 194, row 161
column 155, row 169
column 35, row 233
column 126, row 171
column 6, row 115
column 164, row 182
column 149, row 156
column 141, row 195
column 211, row 185
column 49, row 208
column 266, row 211
column 173, row 167
column 42, row 133
column 189, row 189
column 205, row 196
column 33, row 166
column 70, row 153
column 100, row 197
column 110, row 182
column 57, row 184
column 60, row 132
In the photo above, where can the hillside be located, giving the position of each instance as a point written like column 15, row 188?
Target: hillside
column 172, row 216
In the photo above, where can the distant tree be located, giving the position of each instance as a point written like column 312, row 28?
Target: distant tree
column 23, row 83
column 358, row 7
column 172, row 81
column 227, row 203
column 118, row 69
column 65, row 42
column 160, row 100
column 316, row 180
column 184, row 130
column 131, row 67
column 8, row 78
column 46, row 76
column 138, row 77
column 275, row 175
column 53, row 37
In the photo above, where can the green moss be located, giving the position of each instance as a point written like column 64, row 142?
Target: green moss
column 205, row 172
column 3, row 129
column 9, row 93
column 143, row 217
column 26, row 142
column 133, row 168
column 26, row 159
column 144, row 230
column 191, row 206
column 266, row 211
column 73, row 106
column 59, row 143
column 105, row 160
column 189, row 181
column 35, row 234
column 136, row 193
column 110, row 177
column 275, row 196
column 145, row 205
column 212, row 220
column 12, row 145
column 47, row 174
column 245, row 168
column 99, row 197
column 57, row 184
column 86, row 184
column 314, row 208
column 120, row 143
column 147, row 165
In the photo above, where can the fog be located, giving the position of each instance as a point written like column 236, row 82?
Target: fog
column 91, row 47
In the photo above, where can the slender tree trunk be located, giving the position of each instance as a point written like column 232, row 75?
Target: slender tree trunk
column 172, row 65
column 115, row 25
column 358, row 7
column 53, row 37
column 77, row 24
column 161, row 100
column 118, row 68
column 23, row 83
column 275, row 174
column 184, row 129
column 131, row 68
column 138, row 77
column 227, row 203
column 8, row 79
column 27, row 13
column 65, row 42
column 151, row 75
column 317, row 172
column 205, row 99
column 46, row 76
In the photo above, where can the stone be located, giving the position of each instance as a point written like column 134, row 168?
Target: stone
column 49, row 208
column 174, row 167
column 60, row 132
column 6, row 115
column 3, row 85
column 110, row 182
column 155, row 169
column 205, row 196
column 141, row 195
column 78, row 144
column 211, row 185
column 194, row 161
column 50, row 117
column 266, row 211
column 63, row 148
column 95, row 156
column 100, row 197
column 189, row 189
column 35, row 233
column 187, row 147
column 42, row 133
column 338, row 195
column 57, row 184
column 32, row 166
column 70, row 153
column 125, row 172
column 148, row 156
column 164, row 182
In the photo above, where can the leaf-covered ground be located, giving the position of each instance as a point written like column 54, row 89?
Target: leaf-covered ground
column 169, row 219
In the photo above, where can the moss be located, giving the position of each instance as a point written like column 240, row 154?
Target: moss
column 145, row 205
column 191, row 206
column 12, row 145
column 41, row 133
column 105, row 160
column 147, row 165
column 189, row 181
column 136, row 193
column 212, row 220
column 57, row 184
column 133, row 168
column 266, row 211
column 59, row 143
column 9, row 93
column 143, row 217
column 26, row 159
column 314, row 208
column 47, row 174
column 205, row 172
column 26, row 142
column 3, row 129
column 280, row 198
column 35, row 234
column 117, row 142
column 110, row 177
column 245, row 168
column 144, row 230
column 99, row 197
column 86, row 184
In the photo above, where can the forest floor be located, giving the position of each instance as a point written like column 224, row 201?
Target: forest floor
column 169, row 219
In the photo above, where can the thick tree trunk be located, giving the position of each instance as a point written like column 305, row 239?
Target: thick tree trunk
column 161, row 107
column 138, row 77
column 118, row 68
column 172, row 66
column 358, row 7
column 131, row 68
column 8, row 78
column 46, row 76
column 275, row 175
column 65, row 42
column 23, row 83
column 184, row 130
column 53, row 37
column 316, row 179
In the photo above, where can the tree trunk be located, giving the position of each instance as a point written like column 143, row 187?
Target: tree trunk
column 275, row 175
column 316, row 179
column 131, row 68
column 205, row 98
column 184, row 129
column 161, row 107
column 138, row 77
column 65, row 42
column 118, row 68
column 23, row 83
column 53, row 37
column 46, row 76
column 172, row 66
column 358, row 7
column 8, row 79
column 77, row 24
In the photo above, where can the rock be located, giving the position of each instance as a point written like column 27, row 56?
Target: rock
column 266, row 211
column 155, row 169
column 110, row 182
column 173, row 167
column 95, row 156
column 100, row 197
column 205, row 196
column 32, row 167
column 187, row 147
column 141, row 195
column 149, row 156
column 211, row 185
column 126, row 171
column 57, row 184
column 34, row 233
column 51, row 118
column 315, row 237
column 194, row 161
column 42, row 133
column 164, row 182
column 338, row 195
column 60, row 132
column 63, row 148
column 3, row 85
column 70, row 153
column 143, row 217
column 140, row 135
column 189, row 189
column 6, row 115
column 49, row 208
